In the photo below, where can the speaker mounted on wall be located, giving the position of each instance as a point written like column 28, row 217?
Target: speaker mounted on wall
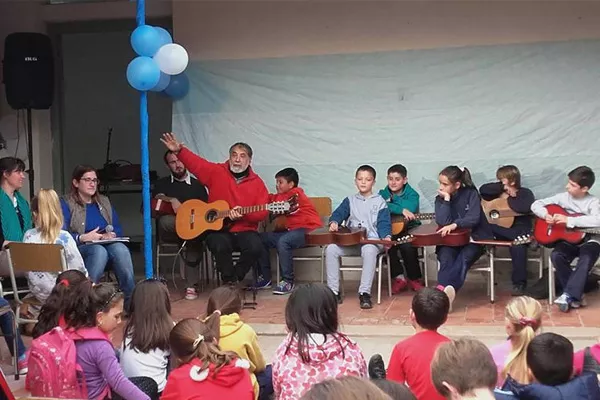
column 28, row 71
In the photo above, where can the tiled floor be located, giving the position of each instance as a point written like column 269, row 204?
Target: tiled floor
column 472, row 307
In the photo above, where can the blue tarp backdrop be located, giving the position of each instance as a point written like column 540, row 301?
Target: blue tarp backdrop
column 533, row 105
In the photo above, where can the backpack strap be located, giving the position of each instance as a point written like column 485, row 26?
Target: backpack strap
column 589, row 362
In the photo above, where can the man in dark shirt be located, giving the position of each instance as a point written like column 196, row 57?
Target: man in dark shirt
column 519, row 200
column 179, row 187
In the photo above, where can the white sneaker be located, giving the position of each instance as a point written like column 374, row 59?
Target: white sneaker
column 451, row 293
column 191, row 293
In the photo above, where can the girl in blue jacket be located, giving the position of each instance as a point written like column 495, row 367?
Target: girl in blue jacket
column 458, row 205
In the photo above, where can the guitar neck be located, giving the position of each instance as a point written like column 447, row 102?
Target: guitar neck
column 243, row 210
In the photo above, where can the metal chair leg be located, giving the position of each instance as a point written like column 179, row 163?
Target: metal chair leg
column 492, row 277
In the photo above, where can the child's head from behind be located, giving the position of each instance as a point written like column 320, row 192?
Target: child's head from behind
column 100, row 305
column 462, row 368
column 396, row 177
column 581, row 180
column 429, row 308
column 365, row 179
column 225, row 299
column 509, row 175
column 395, row 390
column 64, row 295
column 150, row 320
column 47, row 214
column 286, row 180
column 452, row 178
column 345, row 388
column 523, row 317
column 311, row 308
column 550, row 359
column 192, row 338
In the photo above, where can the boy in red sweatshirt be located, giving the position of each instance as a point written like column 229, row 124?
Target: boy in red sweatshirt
column 303, row 220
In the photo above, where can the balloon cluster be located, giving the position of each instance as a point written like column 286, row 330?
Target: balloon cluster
column 160, row 63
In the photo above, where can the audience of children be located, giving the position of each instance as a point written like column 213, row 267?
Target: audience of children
column 523, row 317
column 204, row 371
column 411, row 358
column 550, row 364
column 314, row 349
column 464, row 369
column 240, row 338
column 145, row 347
column 48, row 221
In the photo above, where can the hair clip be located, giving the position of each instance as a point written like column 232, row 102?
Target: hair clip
column 64, row 282
column 528, row 321
column 198, row 340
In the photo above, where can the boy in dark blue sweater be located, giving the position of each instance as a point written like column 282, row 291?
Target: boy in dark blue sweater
column 519, row 200
column 458, row 206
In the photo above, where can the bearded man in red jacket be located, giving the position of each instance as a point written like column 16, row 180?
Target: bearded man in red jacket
column 235, row 182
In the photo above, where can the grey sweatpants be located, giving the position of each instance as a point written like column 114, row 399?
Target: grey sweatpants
column 368, row 252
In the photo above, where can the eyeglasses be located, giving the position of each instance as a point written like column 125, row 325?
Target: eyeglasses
column 90, row 180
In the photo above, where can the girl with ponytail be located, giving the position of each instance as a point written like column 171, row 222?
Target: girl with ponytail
column 523, row 322
column 458, row 205
column 204, row 370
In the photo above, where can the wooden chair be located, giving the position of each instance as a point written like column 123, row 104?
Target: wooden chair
column 33, row 257
column 323, row 206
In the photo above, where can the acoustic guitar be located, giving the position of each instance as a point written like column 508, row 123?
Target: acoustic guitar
column 427, row 235
column 346, row 237
column 498, row 212
column 548, row 234
column 161, row 205
column 399, row 222
column 523, row 239
column 195, row 217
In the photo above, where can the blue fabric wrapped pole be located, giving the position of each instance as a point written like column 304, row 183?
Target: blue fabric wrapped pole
column 148, row 269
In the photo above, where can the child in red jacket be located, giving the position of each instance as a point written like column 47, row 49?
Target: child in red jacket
column 205, row 371
column 302, row 220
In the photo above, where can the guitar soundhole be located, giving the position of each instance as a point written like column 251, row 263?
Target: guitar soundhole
column 211, row 216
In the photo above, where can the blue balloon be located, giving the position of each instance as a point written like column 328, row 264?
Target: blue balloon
column 164, row 36
column 163, row 82
column 178, row 87
column 143, row 73
column 145, row 40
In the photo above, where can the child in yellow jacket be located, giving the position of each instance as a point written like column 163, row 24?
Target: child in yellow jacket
column 240, row 338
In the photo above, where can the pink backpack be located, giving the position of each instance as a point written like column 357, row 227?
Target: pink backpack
column 53, row 369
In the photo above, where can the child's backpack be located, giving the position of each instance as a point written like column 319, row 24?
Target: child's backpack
column 53, row 369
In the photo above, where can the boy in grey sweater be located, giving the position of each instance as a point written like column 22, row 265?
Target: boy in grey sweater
column 576, row 200
column 366, row 210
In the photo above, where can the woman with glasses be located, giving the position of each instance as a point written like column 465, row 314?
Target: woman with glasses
column 87, row 216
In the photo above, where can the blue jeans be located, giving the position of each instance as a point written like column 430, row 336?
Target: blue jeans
column 455, row 263
column 518, row 254
column 96, row 258
column 573, row 281
column 7, row 328
column 285, row 243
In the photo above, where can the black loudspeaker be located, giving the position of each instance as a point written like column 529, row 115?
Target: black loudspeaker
column 28, row 70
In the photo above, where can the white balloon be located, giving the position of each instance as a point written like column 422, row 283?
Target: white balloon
column 172, row 59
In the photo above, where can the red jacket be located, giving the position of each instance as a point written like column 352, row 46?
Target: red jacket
column 189, row 382
column 305, row 216
column 221, row 185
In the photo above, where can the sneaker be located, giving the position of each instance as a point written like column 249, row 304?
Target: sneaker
column 283, row 288
column 579, row 304
column 415, row 285
column 563, row 302
column 451, row 293
column 262, row 284
column 376, row 367
column 365, row 301
column 22, row 366
column 518, row 289
column 191, row 293
column 398, row 285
